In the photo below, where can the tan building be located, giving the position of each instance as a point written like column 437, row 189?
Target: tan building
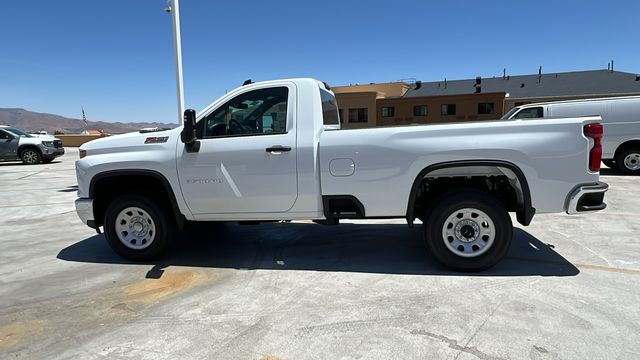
column 358, row 103
column 472, row 99
column 437, row 109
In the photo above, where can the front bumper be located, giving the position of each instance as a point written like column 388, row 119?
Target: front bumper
column 51, row 152
column 587, row 198
column 84, row 208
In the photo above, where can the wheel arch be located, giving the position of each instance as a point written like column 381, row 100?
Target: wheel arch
column 629, row 144
column 109, row 184
column 21, row 148
column 524, row 210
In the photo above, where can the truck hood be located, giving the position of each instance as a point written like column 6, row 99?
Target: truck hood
column 36, row 139
column 49, row 137
column 130, row 142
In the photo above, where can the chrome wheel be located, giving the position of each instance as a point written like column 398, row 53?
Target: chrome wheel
column 135, row 228
column 468, row 232
column 30, row 157
column 632, row 161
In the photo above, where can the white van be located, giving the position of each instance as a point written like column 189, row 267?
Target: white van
column 620, row 117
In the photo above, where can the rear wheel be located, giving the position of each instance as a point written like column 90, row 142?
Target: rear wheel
column 138, row 228
column 468, row 231
column 628, row 161
column 30, row 156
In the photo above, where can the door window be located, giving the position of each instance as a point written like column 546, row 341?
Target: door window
column 330, row 115
column 4, row 135
column 257, row 112
column 530, row 113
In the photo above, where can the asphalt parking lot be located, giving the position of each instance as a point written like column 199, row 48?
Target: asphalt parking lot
column 568, row 289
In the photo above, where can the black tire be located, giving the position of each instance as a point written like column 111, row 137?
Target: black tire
column 163, row 225
column 31, row 156
column 628, row 161
column 481, row 253
column 609, row 163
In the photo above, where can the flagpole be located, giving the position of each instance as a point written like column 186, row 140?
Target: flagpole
column 177, row 45
column 84, row 120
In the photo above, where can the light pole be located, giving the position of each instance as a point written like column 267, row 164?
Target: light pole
column 173, row 7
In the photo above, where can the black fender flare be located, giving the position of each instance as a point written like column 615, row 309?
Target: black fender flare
column 180, row 218
column 525, row 211
column 28, row 146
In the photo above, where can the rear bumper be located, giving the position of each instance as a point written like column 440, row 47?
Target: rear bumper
column 84, row 208
column 587, row 198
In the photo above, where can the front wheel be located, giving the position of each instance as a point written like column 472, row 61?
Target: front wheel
column 30, row 156
column 468, row 231
column 137, row 228
column 628, row 161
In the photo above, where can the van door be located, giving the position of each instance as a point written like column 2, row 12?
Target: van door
column 573, row 109
column 247, row 157
column 621, row 124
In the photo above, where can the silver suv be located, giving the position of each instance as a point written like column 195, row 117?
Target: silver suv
column 16, row 144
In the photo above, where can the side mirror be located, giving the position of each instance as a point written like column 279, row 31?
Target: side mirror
column 188, row 135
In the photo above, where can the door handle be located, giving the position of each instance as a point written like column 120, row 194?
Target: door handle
column 278, row 148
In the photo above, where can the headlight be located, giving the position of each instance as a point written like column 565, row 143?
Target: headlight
column 83, row 153
column 47, row 143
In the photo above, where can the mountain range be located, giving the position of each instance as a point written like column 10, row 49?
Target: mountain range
column 33, row 121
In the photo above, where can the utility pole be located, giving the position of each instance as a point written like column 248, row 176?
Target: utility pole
column 173, row 7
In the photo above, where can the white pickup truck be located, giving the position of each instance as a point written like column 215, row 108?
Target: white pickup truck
column 274, row 151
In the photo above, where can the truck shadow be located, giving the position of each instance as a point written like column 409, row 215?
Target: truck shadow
column 20, row 163
column 366, row 248
column 613, row 172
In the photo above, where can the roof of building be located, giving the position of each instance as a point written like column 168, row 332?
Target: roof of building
column 382, row 89
column 590, row 82
column 92, row 132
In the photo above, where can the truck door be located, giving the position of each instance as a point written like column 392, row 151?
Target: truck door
column 8, row 145
column 247, row 157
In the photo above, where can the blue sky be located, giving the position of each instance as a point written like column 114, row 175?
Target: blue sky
column 115, row 58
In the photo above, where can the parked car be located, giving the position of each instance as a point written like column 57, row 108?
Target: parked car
column 274, row 151
column 620, row 117
column 16, row 144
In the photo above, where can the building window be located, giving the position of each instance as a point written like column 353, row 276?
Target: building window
column 358, row 115
column 448, row 109
column 388, row 111
column 485, row 108
column 420, row 110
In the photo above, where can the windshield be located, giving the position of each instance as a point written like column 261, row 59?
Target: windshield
column 17, row 132
column 509, row 113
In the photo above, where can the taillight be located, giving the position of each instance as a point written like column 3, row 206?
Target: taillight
column 595, row 132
